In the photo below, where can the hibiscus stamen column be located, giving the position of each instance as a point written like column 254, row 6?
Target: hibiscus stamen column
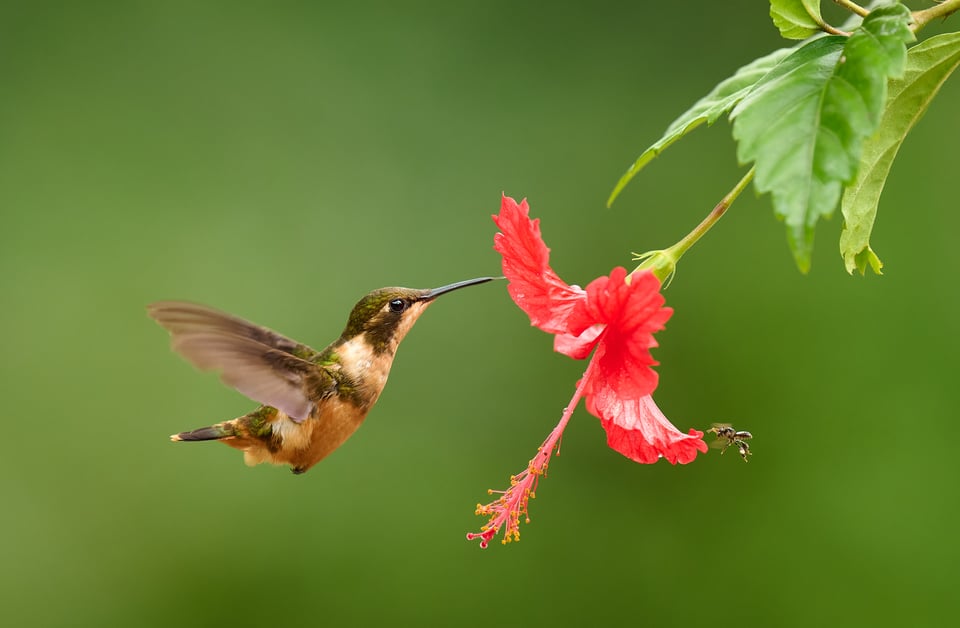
column 505, row 511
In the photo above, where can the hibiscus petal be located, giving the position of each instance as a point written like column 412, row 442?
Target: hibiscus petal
column 534, row 287
column 638, row 429
column 577, row 347
column 631, row 312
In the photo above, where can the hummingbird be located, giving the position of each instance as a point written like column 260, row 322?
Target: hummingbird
column 312, row 401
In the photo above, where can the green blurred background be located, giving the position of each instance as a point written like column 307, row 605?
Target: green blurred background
column 279, row 160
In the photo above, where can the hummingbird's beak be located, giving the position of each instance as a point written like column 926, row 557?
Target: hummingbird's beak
column 433, row 294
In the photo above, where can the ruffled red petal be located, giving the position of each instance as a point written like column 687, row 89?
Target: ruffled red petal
column 535, row 288
column 578, row 347
column 632, row 312
column 638, row 429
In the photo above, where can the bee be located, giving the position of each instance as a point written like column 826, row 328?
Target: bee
column 727, row 435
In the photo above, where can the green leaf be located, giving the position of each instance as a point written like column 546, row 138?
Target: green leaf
column 796, row 19
column 928, row 66
column 804, row 123
column 720, row 100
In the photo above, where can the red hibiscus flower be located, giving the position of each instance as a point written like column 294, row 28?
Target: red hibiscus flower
column 615, row 318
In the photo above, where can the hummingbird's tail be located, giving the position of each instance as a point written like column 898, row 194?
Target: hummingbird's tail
column 214, row 432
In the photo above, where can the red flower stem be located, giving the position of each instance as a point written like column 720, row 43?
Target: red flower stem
column 506, row 511
column 554, row 437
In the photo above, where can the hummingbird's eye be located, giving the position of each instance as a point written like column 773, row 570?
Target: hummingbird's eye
column 398, row 305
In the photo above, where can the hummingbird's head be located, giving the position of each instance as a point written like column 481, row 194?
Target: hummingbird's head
column 385, row 316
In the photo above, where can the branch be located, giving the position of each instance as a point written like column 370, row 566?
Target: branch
column 853, row 7
column 943, row 9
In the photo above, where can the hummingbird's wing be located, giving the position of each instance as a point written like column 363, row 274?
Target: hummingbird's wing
column 185, row 317
column 260, row 363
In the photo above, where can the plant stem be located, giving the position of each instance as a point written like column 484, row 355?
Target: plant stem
column 691, row 238
column 849, row 5
column 826, row 28
column 663, row 263
column 831, row 30
column 943, row 9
